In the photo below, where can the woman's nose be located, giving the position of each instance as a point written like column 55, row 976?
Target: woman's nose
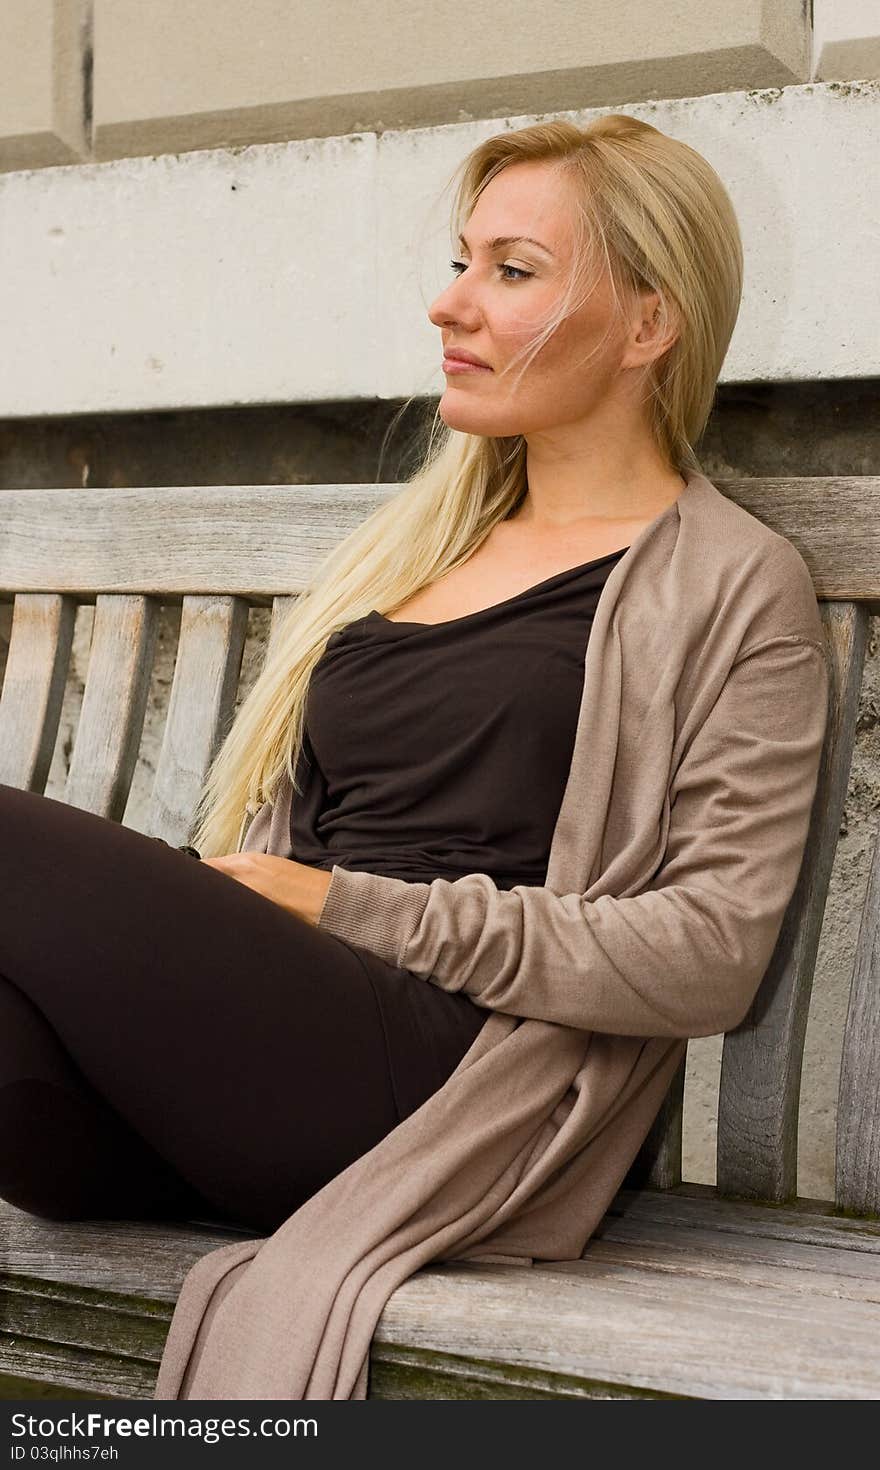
column 456, row 306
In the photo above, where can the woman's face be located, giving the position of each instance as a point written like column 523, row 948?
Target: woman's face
column 516, row 255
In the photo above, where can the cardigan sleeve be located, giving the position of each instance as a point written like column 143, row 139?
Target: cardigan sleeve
column 685, row 955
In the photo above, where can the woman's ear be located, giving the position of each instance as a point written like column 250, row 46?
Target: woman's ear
column 650, row 336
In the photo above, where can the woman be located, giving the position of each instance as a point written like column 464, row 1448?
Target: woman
column 565, row 777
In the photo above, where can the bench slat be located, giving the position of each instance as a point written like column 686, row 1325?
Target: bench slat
column 86, row 1370
column 701, row 1207
column 681, row 1293
column 245, row 541
column 833, row 520
column 664, row 1245
column 672, row 1330
column 33, row 686
column 759, row 1093
column 150, row 1258
column 114, row 702
column 259, row 540
column 857, row 1167
column 281, row 606
column 206, row 672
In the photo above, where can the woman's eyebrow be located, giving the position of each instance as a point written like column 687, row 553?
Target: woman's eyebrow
column 504, row 240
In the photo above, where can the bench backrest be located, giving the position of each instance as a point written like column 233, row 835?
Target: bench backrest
column 220, row 550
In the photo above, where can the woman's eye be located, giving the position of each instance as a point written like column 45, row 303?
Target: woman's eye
column 517, row 274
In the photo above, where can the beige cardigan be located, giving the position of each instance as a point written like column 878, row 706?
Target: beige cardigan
column 676, row 851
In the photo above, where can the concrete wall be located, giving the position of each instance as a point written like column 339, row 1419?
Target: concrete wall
column 172, row 75
column 298, row 272
column 846, row 39
column 105, row 79
column 45, row 82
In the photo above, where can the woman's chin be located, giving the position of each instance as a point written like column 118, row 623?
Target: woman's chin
column 468, row 418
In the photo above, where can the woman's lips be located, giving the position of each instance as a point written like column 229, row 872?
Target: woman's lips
column 458, row 365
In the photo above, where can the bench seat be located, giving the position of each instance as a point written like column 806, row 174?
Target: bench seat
column 680, row 1294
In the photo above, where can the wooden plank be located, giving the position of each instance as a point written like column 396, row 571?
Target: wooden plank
column 417, row 1373
column 677, row 1293
column 705, row 1336
column 395, row 1373
column 29, row 1388
column 256, row 541
column 115, row 1254
column 33, row 686
column 857, row 1167
column 60, row 1366
column 669, row 1325
column 200, row 709
column 115, row 699
column 39, row 1369
column 759, row 1092
column 703, row 1251
column 697, row 1207
column 139, row 1258
column 86, row 1320
column 281, row 606
column 831, row 519
column 131, row 1258
column 249, row 541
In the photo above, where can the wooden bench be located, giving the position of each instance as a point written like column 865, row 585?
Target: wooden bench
column 743, row 1290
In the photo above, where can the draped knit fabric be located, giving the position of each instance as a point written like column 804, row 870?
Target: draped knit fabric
column 675, row 853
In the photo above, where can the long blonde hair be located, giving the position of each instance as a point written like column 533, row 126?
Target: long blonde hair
column 652, row 213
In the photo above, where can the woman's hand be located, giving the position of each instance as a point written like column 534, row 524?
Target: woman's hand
column 295, row 886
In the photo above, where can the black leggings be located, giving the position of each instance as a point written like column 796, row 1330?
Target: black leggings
column 174, row 1045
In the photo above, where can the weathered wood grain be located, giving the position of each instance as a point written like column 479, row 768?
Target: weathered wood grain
column 417, row 1373
column 700, row 1206
column 672, row 1330
column 130, row 1258
column 831, row 519
column 250, row 541
column 33, row 686
column 857, row 1166
column 29, row 1388
column 678, row 1293
column 114, row 702
column 707, row 1252
column 259, row 540
column 200, row 707
column 281, row 606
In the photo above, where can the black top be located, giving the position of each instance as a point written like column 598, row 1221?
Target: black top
column 435, row 750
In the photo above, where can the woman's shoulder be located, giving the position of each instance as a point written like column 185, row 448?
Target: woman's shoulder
column 763, row 564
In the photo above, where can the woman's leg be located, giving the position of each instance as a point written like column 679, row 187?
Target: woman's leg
column 64, row 1153
column 241, row 1045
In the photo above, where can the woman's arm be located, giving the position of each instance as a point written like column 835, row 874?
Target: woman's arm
column 685, row 956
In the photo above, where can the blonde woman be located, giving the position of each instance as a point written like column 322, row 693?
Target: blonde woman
column 532, row 764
